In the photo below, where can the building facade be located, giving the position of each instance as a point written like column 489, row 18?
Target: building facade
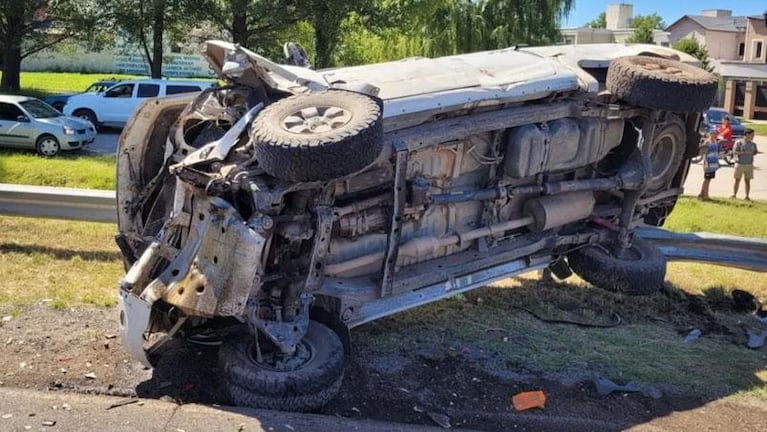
column 619, row 18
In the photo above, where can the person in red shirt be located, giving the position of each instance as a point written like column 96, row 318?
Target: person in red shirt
column 724, row 131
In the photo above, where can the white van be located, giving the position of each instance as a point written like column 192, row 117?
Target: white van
column 114, row 106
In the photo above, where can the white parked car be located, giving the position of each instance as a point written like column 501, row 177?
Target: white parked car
column 29, row 123
column 114, row 106
column 291, row 205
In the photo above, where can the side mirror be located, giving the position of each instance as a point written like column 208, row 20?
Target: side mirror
column 22, row 119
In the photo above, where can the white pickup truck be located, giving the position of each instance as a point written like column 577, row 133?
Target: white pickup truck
column 291, row 205
column 115, row 105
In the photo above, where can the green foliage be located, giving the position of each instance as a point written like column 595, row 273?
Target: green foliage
column 599, row 22
column 644, row 26
column 30, row 26
column 691, row 46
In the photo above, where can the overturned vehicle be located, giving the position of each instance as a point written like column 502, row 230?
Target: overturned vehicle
column 278, row 211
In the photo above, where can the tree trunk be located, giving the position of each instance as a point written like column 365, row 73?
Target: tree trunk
column 240, row 33
column 11, row 69
column 324, row 44
column 158, row 28
column 13, row 34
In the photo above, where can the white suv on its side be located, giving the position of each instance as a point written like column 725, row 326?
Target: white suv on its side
column 114, row 106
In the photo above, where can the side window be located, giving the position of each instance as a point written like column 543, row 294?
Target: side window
column 148, row 90
column 9, row 112
column 120, row 91
column 178, row 89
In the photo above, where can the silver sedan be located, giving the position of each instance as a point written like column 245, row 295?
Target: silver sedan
column 30, row 123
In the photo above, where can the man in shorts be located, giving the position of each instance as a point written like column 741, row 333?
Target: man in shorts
column 745, row 150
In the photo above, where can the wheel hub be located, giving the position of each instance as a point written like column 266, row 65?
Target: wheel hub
column 316, row 120
column 273, row 359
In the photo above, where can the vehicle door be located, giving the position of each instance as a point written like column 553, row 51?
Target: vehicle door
column 16, row 128
column 116, row 104
column 144, row 91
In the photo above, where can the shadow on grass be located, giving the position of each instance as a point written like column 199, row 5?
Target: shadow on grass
column 466, row 356
column 58, row 253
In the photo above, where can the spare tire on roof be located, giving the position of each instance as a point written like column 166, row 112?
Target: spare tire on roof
column 659, row 83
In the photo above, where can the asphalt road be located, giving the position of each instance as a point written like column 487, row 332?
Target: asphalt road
column 106, row 142
column 721, row 186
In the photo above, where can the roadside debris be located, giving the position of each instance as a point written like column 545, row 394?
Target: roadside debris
column 7, row 318
column 692, row 336
column 7, row 416
column 122, row 402
column 529, row 400
column 745, row 302
column 604, row 387
column 90, row 375
column 440, row 419
column 49, row 423
column 756, row 340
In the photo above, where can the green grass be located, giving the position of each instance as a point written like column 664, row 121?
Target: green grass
column 41, row 84
column 66, row 170
column 68, row 263
column 759, row 128
column 723, row 216
column 645, row 350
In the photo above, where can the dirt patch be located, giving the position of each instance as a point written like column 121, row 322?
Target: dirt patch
column 412, row 382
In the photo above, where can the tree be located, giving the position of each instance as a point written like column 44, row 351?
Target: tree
column 326, row 16
column 30, row 26
column 694, row 48
column 644, row 26
column 142, row 20
column 253, row 24
column 599, row 22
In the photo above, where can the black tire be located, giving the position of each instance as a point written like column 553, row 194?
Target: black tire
column 307, row 388
column 642, row 273
column 660, row 83
column 86, row 114
column 341, row 147
column 729, row 157
column 666, row 154
column 47, row 145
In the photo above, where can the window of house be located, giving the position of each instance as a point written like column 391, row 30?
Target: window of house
column 148, row 90
column 757, row 50
column 741, row 49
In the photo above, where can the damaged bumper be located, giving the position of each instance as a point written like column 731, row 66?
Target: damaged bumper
column 212, row 274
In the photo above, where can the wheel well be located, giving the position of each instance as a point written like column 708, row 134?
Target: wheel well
column 46, row 134
column 75, row 111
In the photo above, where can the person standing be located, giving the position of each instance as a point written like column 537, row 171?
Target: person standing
column 744, row 150
column 710, row 165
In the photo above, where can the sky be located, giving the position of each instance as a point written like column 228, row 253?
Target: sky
column 671, row 10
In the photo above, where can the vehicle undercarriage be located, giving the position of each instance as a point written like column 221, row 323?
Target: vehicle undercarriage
column 294, row 212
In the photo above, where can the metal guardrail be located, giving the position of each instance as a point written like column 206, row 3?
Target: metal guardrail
column 58, row 203
column 726, row 250
column 101, row 206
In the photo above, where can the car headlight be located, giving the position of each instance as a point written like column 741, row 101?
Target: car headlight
column 68, row 130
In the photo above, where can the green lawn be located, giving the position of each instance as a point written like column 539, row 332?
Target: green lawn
column 722, row 216
column 41, row 84
column 759, row 128
column 66, row 170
